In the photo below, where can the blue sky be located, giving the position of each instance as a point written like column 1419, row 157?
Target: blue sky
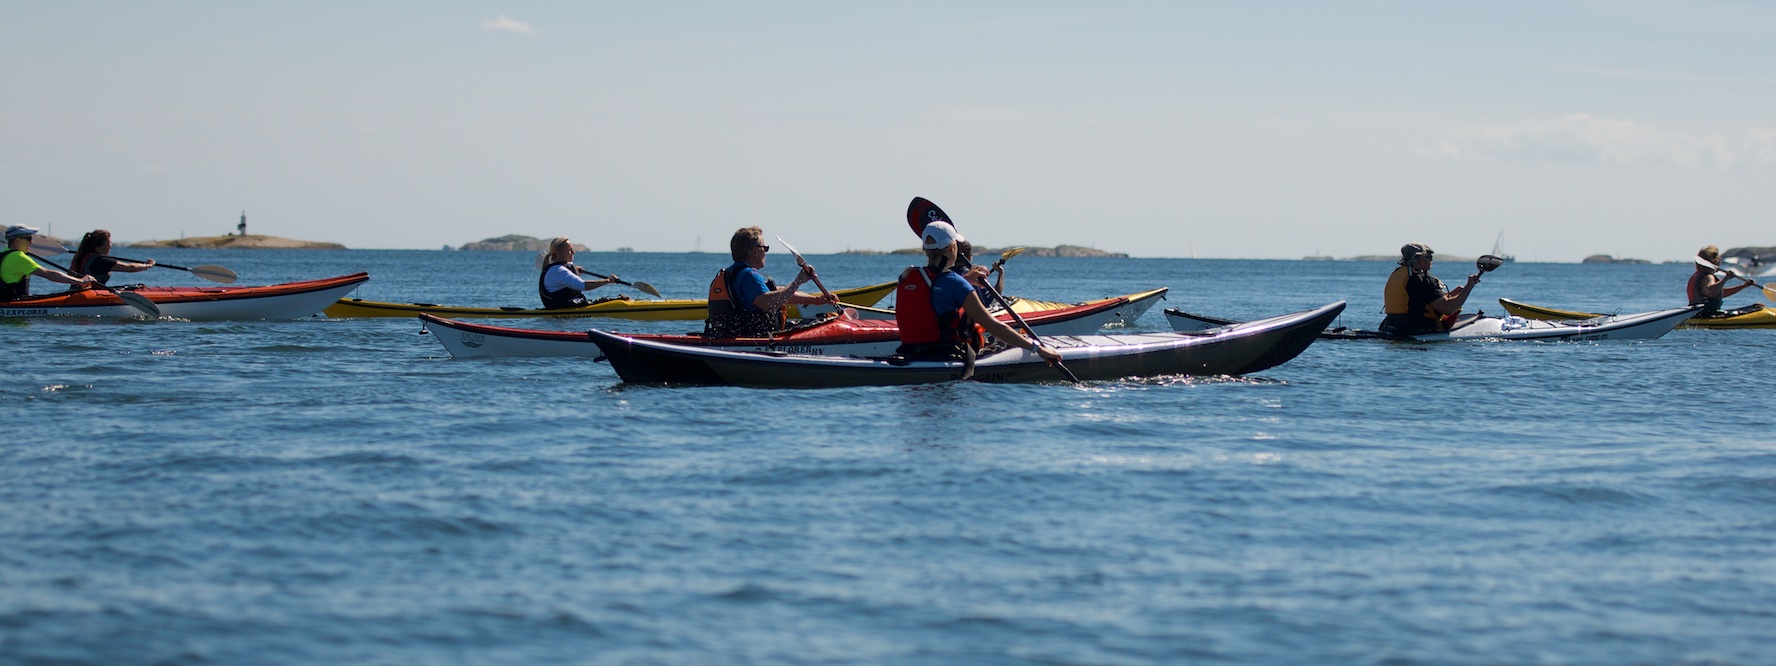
column 1161, row 129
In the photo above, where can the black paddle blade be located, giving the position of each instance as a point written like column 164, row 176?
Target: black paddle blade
column 922, row 212
column 1487, row 262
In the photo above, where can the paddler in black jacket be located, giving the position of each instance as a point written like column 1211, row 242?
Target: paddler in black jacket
column 1414, row 301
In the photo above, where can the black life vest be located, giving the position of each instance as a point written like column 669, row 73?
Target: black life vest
column 1693, row 289
column 565, row 297
column 12, row 291
column 729, row 318
column 924, row 331
column 83, row 265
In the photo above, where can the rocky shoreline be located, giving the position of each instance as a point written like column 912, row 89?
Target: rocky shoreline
column 250, row 242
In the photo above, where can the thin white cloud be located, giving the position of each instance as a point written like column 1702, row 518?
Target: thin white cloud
column 507, row 24
column 1584, row 139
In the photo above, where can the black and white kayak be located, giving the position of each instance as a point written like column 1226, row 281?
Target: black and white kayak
column 1227, row 350
column 1636, row 326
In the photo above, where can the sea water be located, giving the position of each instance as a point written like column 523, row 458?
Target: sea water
column 321, row 491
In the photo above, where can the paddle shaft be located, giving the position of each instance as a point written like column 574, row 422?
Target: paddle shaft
column 643, row 286
column 1020, row 322
column 136, row 301
column 804, row 264
column 1768, row 293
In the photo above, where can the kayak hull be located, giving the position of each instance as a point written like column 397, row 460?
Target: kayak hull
column 1637, row 326
column 829, row 337
column 615, row 308
column 1763, row 318
column 1233, row 350
column 291, row 300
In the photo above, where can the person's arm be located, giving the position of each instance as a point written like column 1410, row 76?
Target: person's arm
column 54, row 275
column 1725, row 291
column 771, row 300
column 1452, row 302
column 977, row 311
column 132, row 266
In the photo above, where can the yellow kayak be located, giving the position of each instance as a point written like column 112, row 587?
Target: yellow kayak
column 621, row 307
column 1760, row 318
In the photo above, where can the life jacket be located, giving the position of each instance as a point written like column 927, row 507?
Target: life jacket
column 1693, row 289
column 1401, row 316
column 82, row 265
column 923, row 329
column 729, row 318
column 565, row 297
column 12, row 291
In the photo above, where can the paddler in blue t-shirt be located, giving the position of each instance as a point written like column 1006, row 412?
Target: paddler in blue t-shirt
column 560, row 285
column 17, row 266
column 743, row 302
column 1414, row 301
column 938, row 310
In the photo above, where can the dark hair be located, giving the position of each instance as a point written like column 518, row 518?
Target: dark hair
column 743, row 242
column 89, row 245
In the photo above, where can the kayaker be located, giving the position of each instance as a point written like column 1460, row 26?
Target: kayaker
column 94, row 258
column 745, row 303
column 560, row 284
column 17, row 266
column 1708, row 291
column 938, row 311
column 1414, row 301
column 965, row 261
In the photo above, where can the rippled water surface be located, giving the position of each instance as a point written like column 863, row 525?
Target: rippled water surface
column 341, row 491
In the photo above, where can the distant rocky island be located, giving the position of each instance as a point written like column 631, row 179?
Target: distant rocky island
column 252, row 242
column 1056, row 251
column 516, row 242
column 1606, row 259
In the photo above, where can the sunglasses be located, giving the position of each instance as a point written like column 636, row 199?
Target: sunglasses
column 766, row 248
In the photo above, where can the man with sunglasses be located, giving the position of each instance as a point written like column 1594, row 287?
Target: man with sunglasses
column 1415, row 302
column 745, row 303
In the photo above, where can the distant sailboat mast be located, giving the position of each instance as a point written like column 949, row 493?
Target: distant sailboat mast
column 1498, row 248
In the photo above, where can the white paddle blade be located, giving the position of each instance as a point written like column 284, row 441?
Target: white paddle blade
column 646, row 288
column 215, row 274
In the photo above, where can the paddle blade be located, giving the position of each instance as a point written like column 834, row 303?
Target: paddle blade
column 1010, row 253
column 1706, row 263
column 922, row 212
column 43, row 248
column 1486, row 263
column 214, row 274
column 647, row 289
column 1769, row 293
column 139, row 302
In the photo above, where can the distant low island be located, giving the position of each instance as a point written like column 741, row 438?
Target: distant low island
column 231, row 242
column 510, row 242
column 980, row 252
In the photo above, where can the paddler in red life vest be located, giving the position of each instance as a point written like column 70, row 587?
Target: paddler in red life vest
column 17, row 267
column 1708, row 291
column 1415, row 302
column 743, row 303
column 938, row 311
column 560, row 284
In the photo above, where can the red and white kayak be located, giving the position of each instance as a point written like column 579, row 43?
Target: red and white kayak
column 826, row 336
column 291, row 300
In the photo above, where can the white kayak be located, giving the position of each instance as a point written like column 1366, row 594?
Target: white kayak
column 1636, row 326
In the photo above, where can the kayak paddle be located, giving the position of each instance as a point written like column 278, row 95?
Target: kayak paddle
column 922, row 212
column 640, row 286
column 131, row 299
column 211, row 273
column 804, row 262
column 643, row 287
column 1769, row 292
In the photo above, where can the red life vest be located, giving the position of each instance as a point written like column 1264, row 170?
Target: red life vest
column 919, row 321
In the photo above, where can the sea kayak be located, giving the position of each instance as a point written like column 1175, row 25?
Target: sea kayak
column 1637, row 326
column 827, row 335
column 291, row 300
column 1759, row 318
column 1138, row 304
column 1230, row 350
column 618, row 308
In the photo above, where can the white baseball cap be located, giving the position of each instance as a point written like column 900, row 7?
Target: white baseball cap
column 939, row 235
